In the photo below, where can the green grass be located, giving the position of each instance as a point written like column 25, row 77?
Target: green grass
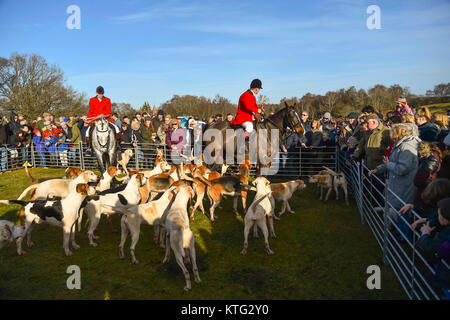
column 438, row 107
column 321, row 252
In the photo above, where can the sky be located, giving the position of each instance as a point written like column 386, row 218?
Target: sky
column 141, row 50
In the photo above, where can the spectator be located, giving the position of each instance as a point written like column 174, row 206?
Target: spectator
column 75, row 140
column 139, row 118
column 147, row 131
column 162, row 131
column 50, row 138
column 402, row 107
column 218, row 117
column 306, row 126
column 62, row 147
column 40, row 123
column 401, row 168
column 290, row 147
column 368, row 110
column 326, row 123
column 3, row 147
column 136, row 140
column 126, row 120
column 175, row 138
column 435, row 231
column 230, row 117
column 314, row 137
column 444, row 171
column 125, row 135
column 39, row 147
column 373, row 142
column 25, row 145
column 116, row 119
column 440, row 119
column 427, row 130
column 156, row 122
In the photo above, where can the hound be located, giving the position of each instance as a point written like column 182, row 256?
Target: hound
column 339, row 181
column 9, row 232
column 179, row 236
column 283, row 192
column 72, row 173
column 58, row 187
column 106, row 179
column 134, row 215
column 95, row 208
column 124, row 159
column 62, row 213
column 324, row 181
column 257, row 212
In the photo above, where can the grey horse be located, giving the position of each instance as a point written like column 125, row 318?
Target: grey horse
column 104, row 143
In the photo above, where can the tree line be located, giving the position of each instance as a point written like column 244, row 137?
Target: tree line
column 31, row 86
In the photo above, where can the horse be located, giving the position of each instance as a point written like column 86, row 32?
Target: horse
column 281, row 120
column 103, row 143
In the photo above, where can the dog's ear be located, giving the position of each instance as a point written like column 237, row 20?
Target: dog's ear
column 82, row 188
column 266, row 181
column 111, row 171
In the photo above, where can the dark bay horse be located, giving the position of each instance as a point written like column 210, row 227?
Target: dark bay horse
column 281, row 120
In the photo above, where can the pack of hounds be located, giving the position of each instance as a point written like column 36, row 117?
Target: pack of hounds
column 159, row 197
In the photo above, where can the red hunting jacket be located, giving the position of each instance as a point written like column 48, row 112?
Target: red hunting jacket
column 246, row 108
column 97, row 107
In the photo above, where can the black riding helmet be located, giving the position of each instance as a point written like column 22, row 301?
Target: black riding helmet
column 100, row 90
column 256, row 83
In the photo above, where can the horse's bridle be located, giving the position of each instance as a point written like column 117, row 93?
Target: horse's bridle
column 295, row 125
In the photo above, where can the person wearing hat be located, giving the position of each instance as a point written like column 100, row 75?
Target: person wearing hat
column 402, row 107
column 348, row 130
column 158, row 120
column 247, row 107
column 373, row 142
column 99, row 105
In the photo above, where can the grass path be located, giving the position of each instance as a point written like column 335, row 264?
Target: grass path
column 321, row 252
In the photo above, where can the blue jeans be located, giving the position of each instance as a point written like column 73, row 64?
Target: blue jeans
column 3, row 158
column 25, row 153
column 42, row 162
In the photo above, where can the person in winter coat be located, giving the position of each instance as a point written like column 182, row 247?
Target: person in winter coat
column 136, row 140
column 401, row 168
column 373, row 143
column 62, row 147
column 3, row 146
column 125, row 136
column 427, row 130
column 39, row 147
column 175, row 139
column 435, row 231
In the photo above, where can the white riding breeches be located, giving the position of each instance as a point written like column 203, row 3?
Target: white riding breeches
column 248, row 126
column 115, row 127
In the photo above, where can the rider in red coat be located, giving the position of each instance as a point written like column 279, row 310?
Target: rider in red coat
column 99, row 105
column 247, row 107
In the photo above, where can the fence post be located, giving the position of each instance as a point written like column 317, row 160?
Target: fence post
column 299, row 161
column 360, row 189
column 33, row 160
column 136, row 156
column 385, row 223
column 81, row 156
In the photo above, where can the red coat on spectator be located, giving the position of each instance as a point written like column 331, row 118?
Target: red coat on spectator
column 49, row 133
column 97, row 107
column 246, row 108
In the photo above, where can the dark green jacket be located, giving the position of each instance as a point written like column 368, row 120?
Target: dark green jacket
column 146, row 134
column 372, row 146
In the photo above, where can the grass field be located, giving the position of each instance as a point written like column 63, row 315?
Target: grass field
column 321, row 252
column 438, row 107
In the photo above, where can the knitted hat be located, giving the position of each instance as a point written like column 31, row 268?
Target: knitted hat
column 402, row 100
column 58, row 131
column 327, row 115
column 36, row 131
column 161, row 112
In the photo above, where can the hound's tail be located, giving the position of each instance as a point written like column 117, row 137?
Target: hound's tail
column 9, row 202
column 33, row 180
column 254, row 204
column 331, row 171
column 24, row 193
